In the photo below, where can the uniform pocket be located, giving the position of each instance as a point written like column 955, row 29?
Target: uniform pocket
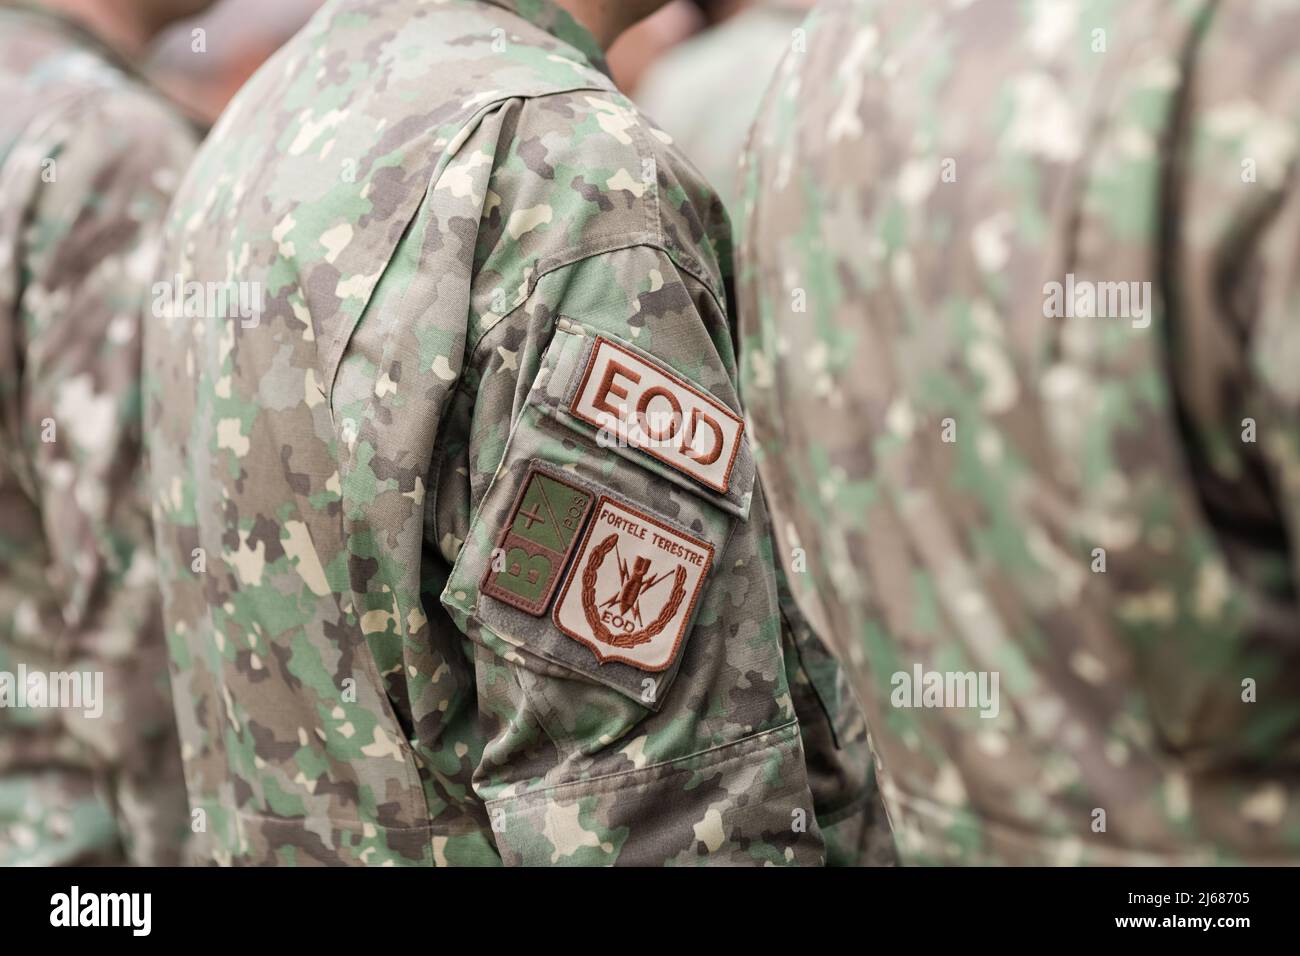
column 653, row 816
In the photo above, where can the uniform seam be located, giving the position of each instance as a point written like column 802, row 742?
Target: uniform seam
column 788, row 730
column 622, row 244
column 343, row 336
column 334, row 821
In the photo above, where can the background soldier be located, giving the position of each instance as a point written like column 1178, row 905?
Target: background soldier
column 88, row 157
column 1097, row 505
column 494, row 367
column 733, row 59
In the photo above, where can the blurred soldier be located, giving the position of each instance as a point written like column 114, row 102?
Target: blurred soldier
column 89, row 155
column 732, row 61
column 1020, row 352
column 463, row 554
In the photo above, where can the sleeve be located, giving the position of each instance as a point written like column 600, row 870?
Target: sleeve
column 837, row 752
column 90, row 251
column 615, row 576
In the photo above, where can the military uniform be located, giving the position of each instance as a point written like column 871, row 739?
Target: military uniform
column 88, row 157
column 1096, row 503
column 463, row 555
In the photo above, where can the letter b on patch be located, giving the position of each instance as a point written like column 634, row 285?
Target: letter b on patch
column 548, row 516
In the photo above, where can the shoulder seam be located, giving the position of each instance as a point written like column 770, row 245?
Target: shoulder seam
column 690, row 268
column 505, row 96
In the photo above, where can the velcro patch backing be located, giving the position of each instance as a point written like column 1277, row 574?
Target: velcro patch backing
column 539, row 537
column 660, row 413
column 632, row 590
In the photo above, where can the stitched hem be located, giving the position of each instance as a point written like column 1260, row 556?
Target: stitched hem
column 704, row 759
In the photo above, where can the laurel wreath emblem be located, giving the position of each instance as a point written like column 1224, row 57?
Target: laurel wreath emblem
column 636, row 638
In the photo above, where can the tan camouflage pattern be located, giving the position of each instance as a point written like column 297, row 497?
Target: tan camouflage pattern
column 444, row 203
column 89, row 156
column 1101, row 512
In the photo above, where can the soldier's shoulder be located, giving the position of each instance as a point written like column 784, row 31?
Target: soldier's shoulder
column 607, row 166
column 125, row 139
column 579, row 141
column 139, row 114
column 83, row 124
column 78, row 93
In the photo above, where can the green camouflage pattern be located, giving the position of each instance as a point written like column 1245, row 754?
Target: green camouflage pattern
column 89, row 156
column 739, row 55
column 1099, row 509
column 442, row 204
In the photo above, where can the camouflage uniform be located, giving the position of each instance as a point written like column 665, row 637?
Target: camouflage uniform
column 737, row 59
column 1100, row 510
column 367, row 496
column 88, row 157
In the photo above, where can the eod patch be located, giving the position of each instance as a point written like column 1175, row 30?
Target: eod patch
column 659, row 413
column 632, row 590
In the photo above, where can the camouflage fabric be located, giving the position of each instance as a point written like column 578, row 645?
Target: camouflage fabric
column 841, row 774
column 88, row 158
column 1096, row 505
column 447, row 212
column 739, row 55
